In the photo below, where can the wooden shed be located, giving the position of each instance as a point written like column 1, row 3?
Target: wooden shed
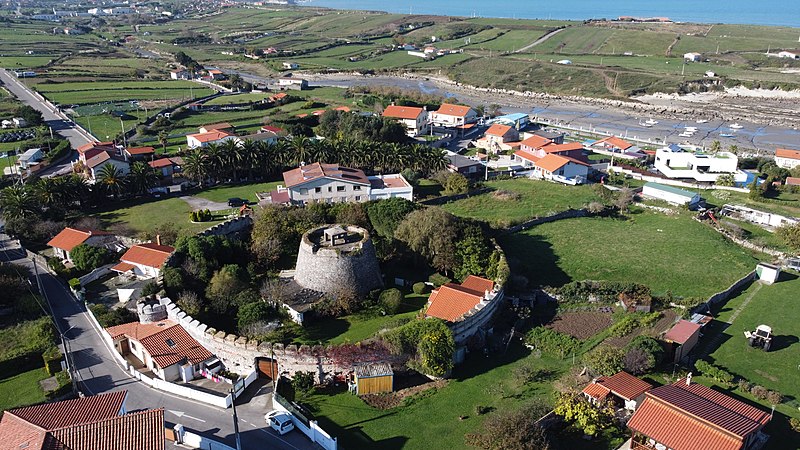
column 373, row 378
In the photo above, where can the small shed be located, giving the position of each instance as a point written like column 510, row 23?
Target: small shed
column 373, row 378
column 768, row 273
column 671, row 194
column 682, row 338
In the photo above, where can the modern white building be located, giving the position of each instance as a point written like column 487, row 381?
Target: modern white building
column 678, row 162
column 671, row 194
column 786, row 158
column 414, row 119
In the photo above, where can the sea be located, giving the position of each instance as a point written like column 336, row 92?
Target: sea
column 765, row 12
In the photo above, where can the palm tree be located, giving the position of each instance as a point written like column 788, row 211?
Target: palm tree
column 142, row 177
column 300, row 146
column 215, row 161
column 195, row 166
column 16, row 202
column 163, row 139
column 249, row 151
column 112, row 180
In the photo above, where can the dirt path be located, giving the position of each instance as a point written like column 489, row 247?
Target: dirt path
column 200, row 203
column 744, row 303
column 540, row 40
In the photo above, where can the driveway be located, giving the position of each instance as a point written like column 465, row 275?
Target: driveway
column 97, row 371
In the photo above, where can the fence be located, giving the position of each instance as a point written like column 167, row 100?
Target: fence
column 95, row 274
column 568, row 214
column 727, row 293
column 200, row 442
column 310, row 427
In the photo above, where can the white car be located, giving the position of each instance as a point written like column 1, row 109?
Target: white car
column 280, row 421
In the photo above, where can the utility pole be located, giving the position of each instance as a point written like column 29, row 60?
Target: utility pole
column 124, row 141
column 235, row 422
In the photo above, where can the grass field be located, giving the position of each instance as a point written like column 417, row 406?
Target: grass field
column 22, row 389
column 431, row 419
column 237, row 98
column 246, row 191
column 145, row 216
column 536, row 199
column 668, row 253
column 106, row 126
column 83, row 93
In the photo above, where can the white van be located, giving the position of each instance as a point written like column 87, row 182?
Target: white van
column 280, row 421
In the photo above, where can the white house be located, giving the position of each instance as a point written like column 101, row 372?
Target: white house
column 292, row 82
column 790, row 54
column 212, row 137
column 96, row 164
column 694, row 57
column 165, row 348
column 331, row 183
column 786, row 158
column 499, row 137
column 671, row 194
column 290, row 65
column 144, row 260
column 562, row 169
column 179, row 74
column 414, row 119
column 678, row 162
column 31, row 157
column 453, row 116
column 69, row 238
column 19, row 122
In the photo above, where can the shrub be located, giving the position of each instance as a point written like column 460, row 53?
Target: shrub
column 795, row 424
column 74, row 283
column 303, row 382
column 604, row 359
column 87, row 258
column 52, row 360
column 552, row 342
column 714, row 372
column 391, row 299
column 744, row 385
column 438, row 279
column 759, row 392
column 420, row 288
column 150, row 288
column 429, row 340
column 774, row 397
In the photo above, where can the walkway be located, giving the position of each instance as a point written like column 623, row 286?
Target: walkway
column 712, row 344
column 540, row 40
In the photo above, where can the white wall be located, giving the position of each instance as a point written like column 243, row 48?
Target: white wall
column 787, row 163
column 328, row 190
column 203, row 443
column 313, row 430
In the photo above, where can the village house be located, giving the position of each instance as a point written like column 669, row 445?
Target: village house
column 622, row 389
column 499, row 138
column 222, row 126
column 468, row 167
column 677, row 162
column 31, row 158
column 139, row 153
column 332, row 183
column 681, row 339
column 618, row 147
column 786, row 158
column 535, row 147
column 205, row 139
column 291, row 82
column 162, row 347
column 693, row 57
column 92, row 149
column 144, row 260
column 690, row 416
column 96, row 164
column 562, row 169
column 453, row 116
column 179, row 74
column 86, row 423
column 671, row 194
column 789, row 54
column 414, row 119
column 167, row 167
column 215, row 74
column 69, row 238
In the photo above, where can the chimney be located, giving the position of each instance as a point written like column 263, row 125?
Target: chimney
column 158, row 239
column 689, row 379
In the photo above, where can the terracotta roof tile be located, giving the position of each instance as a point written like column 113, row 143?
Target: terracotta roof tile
column 50, row 416
column 222, row 126
column 596, row 391
column 172, row 345
column 315, row 171
column 614, row 141
column 561, row 148
column 140, row 431
column 151, row 255
column 498, row 130
column 137, row 330
column 453, row 110
column 211, row 136
column 477, row 284
column 682, row 331
column 16, row 433
column 98, row 159
column 524, row 154
column 536, row 141
column 625, row 385
column 552, row 162
column 69, row 238
column 787, row 153
column 402, row 112
column 123, row 267
column 452, row 301
column 161, row 162
column 140, row 150
column 793, row 181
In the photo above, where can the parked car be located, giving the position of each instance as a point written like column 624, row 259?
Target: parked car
column 280, row 421
column 236, row 202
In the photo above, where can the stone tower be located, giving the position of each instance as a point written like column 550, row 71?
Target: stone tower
column 338, row 258
column 151, row 310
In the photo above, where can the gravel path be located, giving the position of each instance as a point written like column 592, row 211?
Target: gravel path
column 202, row 203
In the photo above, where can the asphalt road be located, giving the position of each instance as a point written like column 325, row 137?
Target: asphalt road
column 98, row 372
column 55, row 119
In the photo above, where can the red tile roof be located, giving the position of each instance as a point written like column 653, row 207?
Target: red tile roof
column 271, row 129
column 70, row 238
column 793, row 181
column 279, row 197
column 140, row 150
column 451, row 301
column 596, row 391
column 453, row 110
column 498, row 130
column 342, row 108
column 695, row 417
column 100, row 146
column 137, row 330
column 787, row 153
column 614, row 141
column 316, row 171
column 524, row 154
column 624, row 385
column 561, row 148
column 172, row 345
column 50, row 416
column 402, row 112
column 123, row 267
column 161, row 162
column 682, row 331
column 98, row 159
column 552, row 162
column 140, row 431
column 536, row 141
column 151, row 255
column 211, row 136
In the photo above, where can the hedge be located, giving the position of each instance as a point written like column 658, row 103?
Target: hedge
column 52, row 360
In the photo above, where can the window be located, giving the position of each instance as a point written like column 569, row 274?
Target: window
column 304, row 191
column 317, row 190
column 358, row 198
column 340, row 188
column 356, row 188
column 133, row 345
column 170, row 342
column 330, row 189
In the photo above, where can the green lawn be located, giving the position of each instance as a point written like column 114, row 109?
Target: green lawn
column 357, row 328
column 110, row 91
column 22, row 389
column 237, row 98
column 145, row 216
column 536, row 199
column 245, row 191
column 668, row 253
column 431, row 420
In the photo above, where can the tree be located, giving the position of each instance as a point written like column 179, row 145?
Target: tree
column 252, row 313
column 87, row 258
column 512, row 430
column 473, row 253
column 390, row 300
column 31, row 115
column 142, row 177
column 715, row 147
column 604, row 359
column 433, row 233
column 111, row 180
column 386, row 215
column 303, row 381
column 637, row 361
column 17, row 202
column 190, row 303
column 726, row 179
column 624, row 199
column 583, row 415
column 163, row 139
column 455, row 183
column 224, row 286
column 790, row 234
column 429, row 340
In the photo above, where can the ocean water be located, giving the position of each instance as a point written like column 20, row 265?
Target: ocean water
column 766, row 12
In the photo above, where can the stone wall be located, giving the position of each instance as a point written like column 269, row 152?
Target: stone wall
column 228, row 227
column 568, row 214
column 330, row 270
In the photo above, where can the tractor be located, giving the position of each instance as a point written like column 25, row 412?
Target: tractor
column 762, row 337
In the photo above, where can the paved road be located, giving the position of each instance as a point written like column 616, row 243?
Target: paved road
column 55, row 119
column 98, row 372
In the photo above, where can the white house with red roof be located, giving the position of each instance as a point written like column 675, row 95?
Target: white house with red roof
column 139, row 153
column 467, row 307
column 95, row 164
column 87, row 423
column 144, row 260
column 414, row 119
column 162, row 347
column 204, row 139
column 69, row 238
column 690, row 416
column 614, row 146
column 499, row 137
column 787, row 158
column 332, row 183
column 452, row 116
column 534, row 147
column 561, row 169
column 622, row 389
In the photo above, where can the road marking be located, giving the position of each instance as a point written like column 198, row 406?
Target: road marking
column 182, row 414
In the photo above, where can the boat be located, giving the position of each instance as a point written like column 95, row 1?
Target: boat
column 645, row 124
column 701, row 121
column 686, row 134
column 651, row 122
column 727, row 135
column 736, row 126
column 691, row 129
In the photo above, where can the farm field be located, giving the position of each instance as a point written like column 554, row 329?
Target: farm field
column 105, row 126
column 83, row 93
column 529, row 199
column 667, row 253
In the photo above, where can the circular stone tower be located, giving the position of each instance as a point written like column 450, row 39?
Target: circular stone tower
column 336, row 259
column 150, row 310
